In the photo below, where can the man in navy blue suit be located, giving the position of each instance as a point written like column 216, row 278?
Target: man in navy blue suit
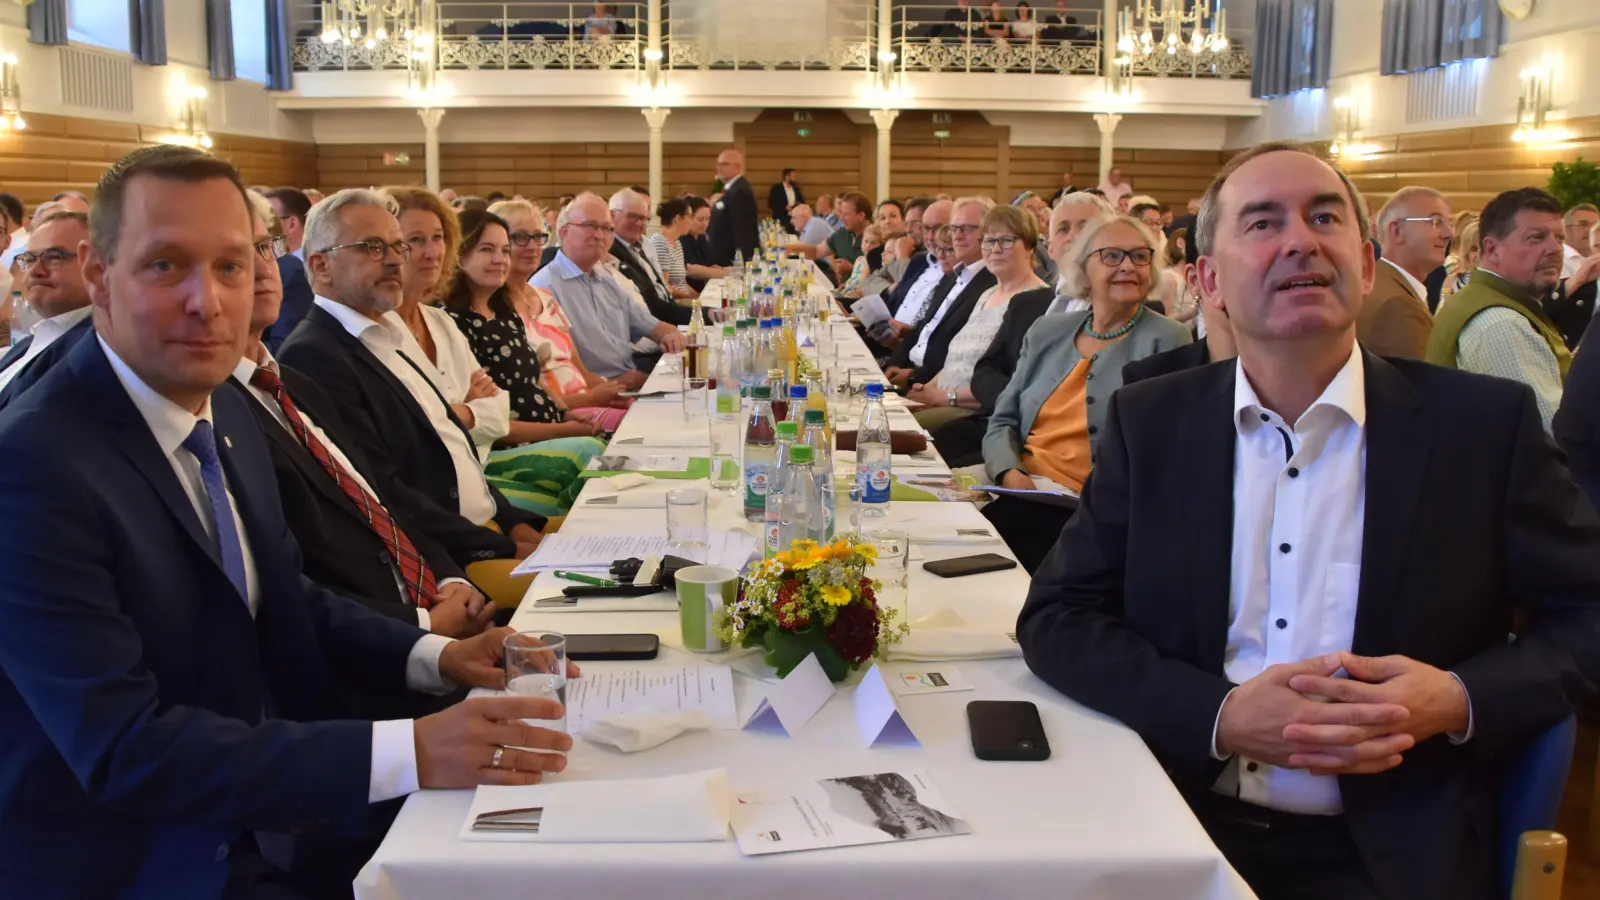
column 297, row 300
column 166, row 673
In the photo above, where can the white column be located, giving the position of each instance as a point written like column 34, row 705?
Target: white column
column 1108, row 130
column 430, row 123
column 885, row 44
column 1108, row 42
column 656, row 117
column 652, row 47
column 885, row 121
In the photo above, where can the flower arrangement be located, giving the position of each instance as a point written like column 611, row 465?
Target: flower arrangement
column 813, row 598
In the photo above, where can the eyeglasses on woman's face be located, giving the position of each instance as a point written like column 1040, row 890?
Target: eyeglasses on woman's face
column 1001, row 242
column 942, row 250
column 524, row 238
column 1113, row 256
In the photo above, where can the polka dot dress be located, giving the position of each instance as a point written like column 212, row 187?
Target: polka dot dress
column 502, row 348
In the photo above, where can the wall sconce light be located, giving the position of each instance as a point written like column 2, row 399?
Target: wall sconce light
column 10, row 95
column 1346, row 125
column 192, row 117
column 1534, row 106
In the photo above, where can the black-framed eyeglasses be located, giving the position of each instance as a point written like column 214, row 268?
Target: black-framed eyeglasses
column 270, row 248
column 524, row 238
column 1113, row 256
column 964, row 229
column 52, row 258
column 630, row 216
column 376, row 249
column 943, row 250
column 597, row 227
column 1003, row 241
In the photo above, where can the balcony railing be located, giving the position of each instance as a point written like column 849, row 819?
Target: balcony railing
column 835, row 35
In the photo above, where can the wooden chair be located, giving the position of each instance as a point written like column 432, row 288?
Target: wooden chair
column 1533, row 858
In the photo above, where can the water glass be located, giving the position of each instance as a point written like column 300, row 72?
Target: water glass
column 727, row 439
column 696, row 397
column 686, row 519
column 893, row 568
column 536, row 666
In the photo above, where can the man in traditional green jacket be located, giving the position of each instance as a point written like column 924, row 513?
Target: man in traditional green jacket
column 1497, row 325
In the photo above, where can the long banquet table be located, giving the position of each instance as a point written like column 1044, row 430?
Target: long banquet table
column 1099, row 819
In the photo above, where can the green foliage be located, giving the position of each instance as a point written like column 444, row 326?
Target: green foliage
column 1575, row 183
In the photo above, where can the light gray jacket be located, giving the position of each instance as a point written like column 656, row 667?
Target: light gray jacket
column 1049, row 353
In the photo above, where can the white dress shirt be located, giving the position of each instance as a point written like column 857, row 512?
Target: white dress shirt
column 452, row 375
column 917, row 295
column 1419, row 287
column 921, row 349
column 1299, row 505
column 394, row 751
column 385, row 339
column 1570, row 261
column 1067, row 305
column 788, row 194
column 45, row 333
column 246, row 370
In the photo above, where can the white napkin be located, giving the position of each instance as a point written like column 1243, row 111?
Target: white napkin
column 944, row 635
column 635, row 500
column 674, row 809
column 630, row 734
column 611, row 484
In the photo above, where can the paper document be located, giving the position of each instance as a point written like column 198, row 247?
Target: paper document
column 640, row 462
column 870, row 310
column 842, row 812
column 1054, row 498
column 692, row 807
column 654, row 690
column 598, row 551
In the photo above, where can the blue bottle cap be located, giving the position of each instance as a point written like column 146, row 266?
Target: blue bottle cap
column 874, row 391
column 797, row 391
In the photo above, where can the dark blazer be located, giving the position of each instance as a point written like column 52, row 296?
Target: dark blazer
column 1577, row 421
column 897, row 297
column 954, row 319
column 297, row 300
column 1189, row 356
column 546, row 256
column 397, row 439
column 778, row 202
column 1571, row 313
column 133, row 678
column 638, row 271
column 696, row 252
column 733, row 224
column 340, row 549
column 995, row 368
column 40, row 365
column 900, row 357
column 1129, row 614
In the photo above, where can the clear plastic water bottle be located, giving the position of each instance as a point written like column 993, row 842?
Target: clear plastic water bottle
column 796, row 412
column 874, row 466
column 745, row 355
column 766, row 348
column 760, row 446
column 814, row 434
column 727, row 368
column 772, row 536
column 801, row 513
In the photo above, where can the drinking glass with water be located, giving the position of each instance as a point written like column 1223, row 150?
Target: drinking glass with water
column 536, row 666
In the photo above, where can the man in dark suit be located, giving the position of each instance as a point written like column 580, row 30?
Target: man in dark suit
column 1335, row 513
column 53, row 285
column 166, row 682
column 784, row 196
column 630, row 213
column 297, row 298
column 921, row 355
column 351, row 347
column 733, row 216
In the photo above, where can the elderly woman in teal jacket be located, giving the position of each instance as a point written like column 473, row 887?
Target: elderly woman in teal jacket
column 1048, row 420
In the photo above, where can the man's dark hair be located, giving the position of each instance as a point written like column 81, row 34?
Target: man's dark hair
column 1204, row 232
column 857, row 200
column 894, row 203
column 72, row 214
column 60, row 195
column 639, row 189
column 294, row 201
column 1095, row 191
column 667, row 210
column 787, row 173
column 496, row 196
column 696, row 203
column 166, row 162
column 12, row 207
column 1143, row 208
column 921, row 203
column 1499, row 217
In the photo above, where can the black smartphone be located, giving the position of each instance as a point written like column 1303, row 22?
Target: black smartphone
column 612, row 646
column 1007, row 730
column 969, row 565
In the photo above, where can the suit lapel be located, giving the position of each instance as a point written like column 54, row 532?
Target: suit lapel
column 1399, row 443
column 15, row 353
column 1208, row 431
column 296, row 453
column 326, row 320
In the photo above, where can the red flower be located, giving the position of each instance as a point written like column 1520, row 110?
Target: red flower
column 789, row 609
column 854, row 633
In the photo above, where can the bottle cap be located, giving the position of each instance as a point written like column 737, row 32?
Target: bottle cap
column 800, row 453
column 761, row 392
column 816, row 417
column 874, row 391
column 788, row 429
column 728, row 331
column 797, row 391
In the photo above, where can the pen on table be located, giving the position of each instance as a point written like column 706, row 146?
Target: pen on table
column 585, row 579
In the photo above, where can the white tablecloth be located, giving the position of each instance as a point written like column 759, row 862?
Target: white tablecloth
column 1098, row 819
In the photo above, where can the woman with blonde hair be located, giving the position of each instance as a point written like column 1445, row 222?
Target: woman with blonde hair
column 1460, row 272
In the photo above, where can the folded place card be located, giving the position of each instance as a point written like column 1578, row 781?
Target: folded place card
column 791, row 703
column 877, row 718
column 929, row 680
column 674, row 809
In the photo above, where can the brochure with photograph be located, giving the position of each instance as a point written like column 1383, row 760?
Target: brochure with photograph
column 843, row 812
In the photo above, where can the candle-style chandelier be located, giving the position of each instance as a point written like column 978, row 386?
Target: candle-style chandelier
column 367, row 22
column 1155, row 26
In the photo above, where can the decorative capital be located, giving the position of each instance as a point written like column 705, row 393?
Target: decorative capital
column 1107, row 121
column 656, row 116
column 430, row 117
column 885, row 118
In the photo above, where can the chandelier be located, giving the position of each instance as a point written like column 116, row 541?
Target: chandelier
column 1137, row 28
column 367, row 22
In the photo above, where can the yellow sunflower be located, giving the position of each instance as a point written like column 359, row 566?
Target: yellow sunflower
column 835, row 595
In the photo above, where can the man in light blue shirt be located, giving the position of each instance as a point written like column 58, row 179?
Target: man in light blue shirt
column 605, row 320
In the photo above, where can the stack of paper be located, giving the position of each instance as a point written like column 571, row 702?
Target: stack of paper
column 676, row 808
column 596, row 552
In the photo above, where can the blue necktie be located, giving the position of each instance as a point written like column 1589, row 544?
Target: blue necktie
column 203, row 444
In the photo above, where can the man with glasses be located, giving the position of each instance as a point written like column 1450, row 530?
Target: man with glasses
column 908, row 303
column 351, row 345
column 957, row 295
column 1414, row 231
column 605, row 320
column 630, row 213
column 53, row 286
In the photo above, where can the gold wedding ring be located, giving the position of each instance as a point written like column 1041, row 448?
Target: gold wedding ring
column 498, row 753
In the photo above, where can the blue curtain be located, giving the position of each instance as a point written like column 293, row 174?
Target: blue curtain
column 219, row 39
column 149, row 18
column 47, row 21
column 280, row 49
column 1294, row 44
column 1424, row 34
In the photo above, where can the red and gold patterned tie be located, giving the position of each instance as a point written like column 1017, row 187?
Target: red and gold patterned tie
column 421, row 586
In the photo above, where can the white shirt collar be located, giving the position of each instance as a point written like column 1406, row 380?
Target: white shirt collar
column 729, row 183
column 1347, row 392
column 170, row 423
column 55, row 326
column 1419, row 287
column 246, row 369
column 382, row 333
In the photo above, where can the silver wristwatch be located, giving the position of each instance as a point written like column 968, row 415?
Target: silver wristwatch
column 951, row 396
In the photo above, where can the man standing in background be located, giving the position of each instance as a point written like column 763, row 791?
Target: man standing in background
column 733, row 217
column 784, row 197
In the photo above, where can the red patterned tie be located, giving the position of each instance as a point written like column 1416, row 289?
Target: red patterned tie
column 421, row 586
